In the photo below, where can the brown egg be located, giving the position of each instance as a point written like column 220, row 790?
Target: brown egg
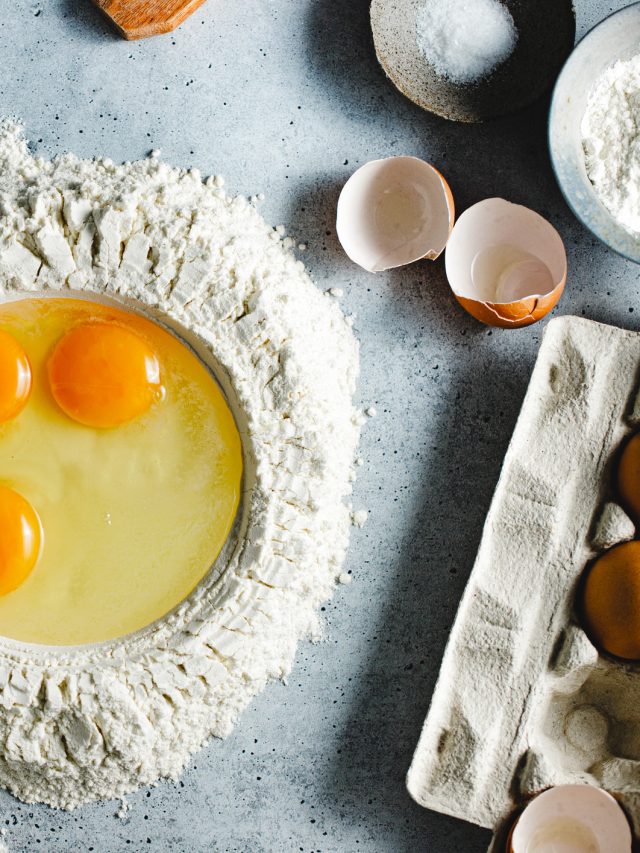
column 629, row 477
column 611, row 601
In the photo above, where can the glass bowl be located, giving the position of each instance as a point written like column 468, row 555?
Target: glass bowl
column 617, row 37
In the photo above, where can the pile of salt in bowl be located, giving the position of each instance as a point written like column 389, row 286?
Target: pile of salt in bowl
column 465, row 40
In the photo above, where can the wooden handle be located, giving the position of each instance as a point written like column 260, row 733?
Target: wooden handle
column 139, row 19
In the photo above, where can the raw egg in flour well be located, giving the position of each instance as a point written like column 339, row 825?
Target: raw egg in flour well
column 120, row 471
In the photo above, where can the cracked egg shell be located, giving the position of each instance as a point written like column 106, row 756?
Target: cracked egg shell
column 572, row 819
column 393, row 212
column 506, row 265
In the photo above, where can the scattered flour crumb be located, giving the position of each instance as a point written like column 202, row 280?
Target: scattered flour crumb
column 371, row 412
column 338, row 292
column 360, row 517
column 344, row 578
column 124, row 809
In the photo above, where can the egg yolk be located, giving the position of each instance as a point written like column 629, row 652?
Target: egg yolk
column 15, row 377
column 103, row 374
column 20, row 539
column 629, row 477
column 611, row 601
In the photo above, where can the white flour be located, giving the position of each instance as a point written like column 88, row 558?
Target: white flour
column 97, row 722
column 611, row 141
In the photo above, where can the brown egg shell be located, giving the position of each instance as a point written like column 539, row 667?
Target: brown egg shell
column 496, row 225
column 370, row 238
column 513, row 315
column 451, row 208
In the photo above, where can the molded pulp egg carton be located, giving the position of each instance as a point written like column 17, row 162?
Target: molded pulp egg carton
column 524, row 700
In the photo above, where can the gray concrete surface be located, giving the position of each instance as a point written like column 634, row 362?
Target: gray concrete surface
column 285, row 97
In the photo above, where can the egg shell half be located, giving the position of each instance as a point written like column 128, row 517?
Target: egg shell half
column 506, row 265
column 572, row 818
column 393, row 212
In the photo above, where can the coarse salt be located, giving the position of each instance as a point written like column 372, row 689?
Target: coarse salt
column 465, row 40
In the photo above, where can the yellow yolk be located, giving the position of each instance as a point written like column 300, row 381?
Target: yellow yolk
column 15, row 377
column 104, row 374
column 19, row 539
column 132, row 516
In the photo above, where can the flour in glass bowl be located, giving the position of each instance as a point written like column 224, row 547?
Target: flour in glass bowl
column 611, row 141
column 90, row 722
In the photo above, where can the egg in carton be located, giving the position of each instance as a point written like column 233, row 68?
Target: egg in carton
column 524, row 699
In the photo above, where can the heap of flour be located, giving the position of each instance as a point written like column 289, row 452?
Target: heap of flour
column 77, row 724
column 611, row 141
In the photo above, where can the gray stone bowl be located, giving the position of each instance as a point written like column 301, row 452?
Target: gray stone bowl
column 546, row 35
column 617, row 37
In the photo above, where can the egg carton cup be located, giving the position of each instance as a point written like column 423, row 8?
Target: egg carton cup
column 524, row 700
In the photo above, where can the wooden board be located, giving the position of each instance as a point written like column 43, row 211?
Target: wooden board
column 139, row 19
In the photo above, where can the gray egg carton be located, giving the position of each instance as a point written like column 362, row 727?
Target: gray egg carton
column 524, row 700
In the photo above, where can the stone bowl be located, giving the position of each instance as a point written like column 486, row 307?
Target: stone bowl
column 546, row 35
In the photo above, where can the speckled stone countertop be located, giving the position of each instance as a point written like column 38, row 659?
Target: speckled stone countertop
column 285, row 97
